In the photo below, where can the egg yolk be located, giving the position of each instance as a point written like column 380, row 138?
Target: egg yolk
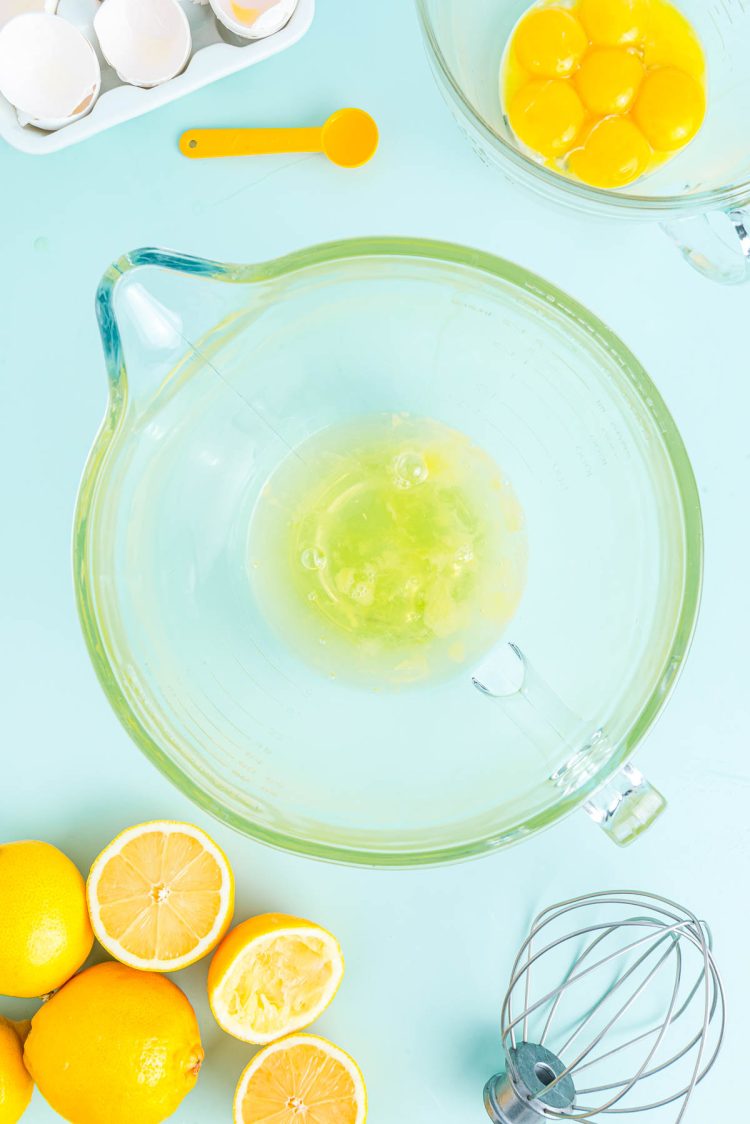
column 613, row 23
column 615, row 153
column 671, row 41
column 604, row 90
column 549, row 42
column 547, row 116
column 245, row 15
column 608, row 80
column 670, row 108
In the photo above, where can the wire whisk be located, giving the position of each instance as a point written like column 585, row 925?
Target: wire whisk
column 615, row 1006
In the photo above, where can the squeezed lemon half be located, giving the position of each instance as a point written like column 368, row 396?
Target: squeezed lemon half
column 273, row 975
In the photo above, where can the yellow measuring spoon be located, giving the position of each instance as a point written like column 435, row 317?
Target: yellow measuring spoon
column 348, row 138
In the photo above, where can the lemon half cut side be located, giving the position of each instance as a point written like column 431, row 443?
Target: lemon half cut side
column 273, row 975
column 161, row 896
column 301, row 1077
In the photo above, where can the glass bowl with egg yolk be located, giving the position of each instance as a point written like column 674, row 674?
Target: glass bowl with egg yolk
column 604, row 90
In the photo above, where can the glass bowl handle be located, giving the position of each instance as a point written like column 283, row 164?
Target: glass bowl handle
column 627, row 804
column 717, row 243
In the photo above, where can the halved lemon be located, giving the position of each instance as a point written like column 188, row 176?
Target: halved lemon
column 273, row 975
column 302, row 1077
column 160, row 896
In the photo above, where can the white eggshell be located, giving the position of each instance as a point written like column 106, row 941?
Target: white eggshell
column 254, row 19
column 146, row 41
column 11, row 8
column 48, row 70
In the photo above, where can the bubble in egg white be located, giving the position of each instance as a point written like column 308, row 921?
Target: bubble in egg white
column 313, row 558
column 410, row 469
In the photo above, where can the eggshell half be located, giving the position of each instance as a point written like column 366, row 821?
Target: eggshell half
column 11, row 8
column 48, row 70
column 254, row 19
column 146, row 41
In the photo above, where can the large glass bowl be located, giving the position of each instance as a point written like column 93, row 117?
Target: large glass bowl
column 215, row 371
column 701, row 196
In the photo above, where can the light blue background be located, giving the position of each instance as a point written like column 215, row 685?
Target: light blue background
column 428, row 953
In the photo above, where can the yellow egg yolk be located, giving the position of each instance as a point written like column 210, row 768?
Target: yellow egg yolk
column 549, row 42
column 613, row 23
column 245, row 15
column 547, row 116
column 604, row 90
column 615, row 153
column 670, row 108
column 671, row 41
column 608, row 80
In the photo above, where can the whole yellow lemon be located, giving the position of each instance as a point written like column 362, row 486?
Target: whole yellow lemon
column 45, row 933
column 115, row 1046
column 16, row 1085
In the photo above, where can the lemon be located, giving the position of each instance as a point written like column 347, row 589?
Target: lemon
column 115, row 1046
column 272, row 975
column 161, row 896
column 16, row 1085
column 302, row 1077
column 45, row 933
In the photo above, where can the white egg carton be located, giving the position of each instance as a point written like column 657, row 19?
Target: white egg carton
column 213, row 57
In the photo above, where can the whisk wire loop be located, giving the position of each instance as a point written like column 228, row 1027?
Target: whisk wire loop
column 650, row 944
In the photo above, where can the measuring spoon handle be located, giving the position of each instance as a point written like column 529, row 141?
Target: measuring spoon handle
column 202, row 144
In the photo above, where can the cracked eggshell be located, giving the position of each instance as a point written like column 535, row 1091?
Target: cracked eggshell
column 11, row 8
column 254, row 19
column 146, row 41
column 48, row 70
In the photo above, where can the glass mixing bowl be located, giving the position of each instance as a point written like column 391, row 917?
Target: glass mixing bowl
column 700, row 197
column 215, row 372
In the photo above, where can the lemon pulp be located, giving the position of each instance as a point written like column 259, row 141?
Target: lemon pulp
column 388, row 550
column 625, row 88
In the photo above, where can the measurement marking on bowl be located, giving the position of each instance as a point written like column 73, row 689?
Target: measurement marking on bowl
column 257, row 723
column 271, row 730
column 731, row 9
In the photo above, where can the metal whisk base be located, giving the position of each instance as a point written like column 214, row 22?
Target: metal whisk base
column 524, row 1100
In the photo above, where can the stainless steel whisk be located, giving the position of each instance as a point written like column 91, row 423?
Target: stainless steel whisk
column 614, row 981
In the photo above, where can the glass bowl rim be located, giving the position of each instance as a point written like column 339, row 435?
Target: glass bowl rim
column 430, row 252
column 733, row 195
